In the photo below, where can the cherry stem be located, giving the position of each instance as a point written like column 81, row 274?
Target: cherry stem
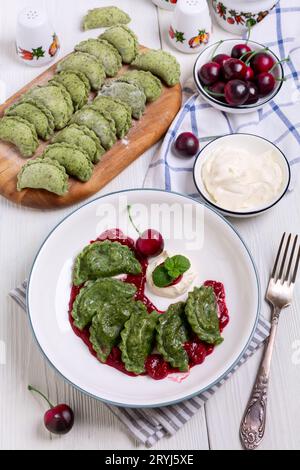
column 254, row 53
column 131, row 220
column 32, row 389
column 279, row 62
column 213, row 93
column 248, row 33
column 216, row 48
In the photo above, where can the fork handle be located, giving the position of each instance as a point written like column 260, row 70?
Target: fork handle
column 253, row 424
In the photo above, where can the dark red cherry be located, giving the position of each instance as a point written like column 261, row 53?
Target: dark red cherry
column 150, row 243
column 262, row 62
column 58, row 419
column 240, row 50
column 265, row 83
column 187, row 144
column 249, row 76
column 218, row 89
column 221, row 58
column 156, row 367
column 234, row 69
column 236, row 92
column 209, row 73
column 253, row 93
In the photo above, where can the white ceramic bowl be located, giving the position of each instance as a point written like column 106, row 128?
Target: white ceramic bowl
column 236, row 16
column 225, row 48
column 241, row 141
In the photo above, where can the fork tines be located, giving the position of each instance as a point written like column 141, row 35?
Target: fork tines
column 284, row 271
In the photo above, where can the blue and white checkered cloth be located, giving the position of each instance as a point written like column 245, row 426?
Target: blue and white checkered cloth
column 278, row 121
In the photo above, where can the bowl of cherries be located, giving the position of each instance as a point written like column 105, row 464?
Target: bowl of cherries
column 238, row 77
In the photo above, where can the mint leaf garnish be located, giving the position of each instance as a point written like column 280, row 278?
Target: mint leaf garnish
column 167, row 272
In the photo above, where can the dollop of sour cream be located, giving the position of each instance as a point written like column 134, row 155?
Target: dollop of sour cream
column 171, row 291
column 240, row 180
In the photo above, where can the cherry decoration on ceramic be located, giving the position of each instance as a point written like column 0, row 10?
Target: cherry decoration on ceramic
column 58, row 419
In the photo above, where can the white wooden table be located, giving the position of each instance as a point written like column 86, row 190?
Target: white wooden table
column 21, row 232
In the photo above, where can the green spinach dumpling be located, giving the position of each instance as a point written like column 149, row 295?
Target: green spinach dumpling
column 87, row 64
column 56, row 99
column 104, row 259
column 103, row 17
column 150, row 84
column 160, row 63
column 82, row 137
column 171, row 336
column 107, row 325
column 72, row 158
column 132, row 95
column 19, row 132
column 43, row 173
column 202, row 314
column 137, row 338
column 96, row 293
column 107, row 54
column 124, row 40
column 101, row 123
column 76, row 84
column 39, row 116
column 118, row 110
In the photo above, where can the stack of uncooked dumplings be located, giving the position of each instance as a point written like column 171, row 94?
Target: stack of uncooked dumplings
column 85, row 129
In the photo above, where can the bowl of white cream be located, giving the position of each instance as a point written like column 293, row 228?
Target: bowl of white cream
column 241, row 175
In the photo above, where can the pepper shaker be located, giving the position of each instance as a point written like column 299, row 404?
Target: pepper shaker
column 191, row 26
column 36, row 41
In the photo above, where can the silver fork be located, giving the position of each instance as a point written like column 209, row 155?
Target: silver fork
column 279, row 295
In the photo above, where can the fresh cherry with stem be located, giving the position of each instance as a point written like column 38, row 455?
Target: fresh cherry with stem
column 221, row 59
column 234, row 69
column 265, row 83
column 240, row 50
column 150, row 242
column 253, row 93
column 58, row 419
column 262, row 62
column 236, row 92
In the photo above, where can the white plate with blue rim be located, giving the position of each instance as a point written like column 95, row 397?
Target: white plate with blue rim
column 216, row 251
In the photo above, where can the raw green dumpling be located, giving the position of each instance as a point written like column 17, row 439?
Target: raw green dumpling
column 82, row 137
column 124, row 40
column 150, row 84
column 101, row 123
column 132, row 95
column 19, row 132
column 36, row 114
column 72, row 158
column 137, row 338
column 103, row 17
column 56, row 99
column 202, row 314
column 171, row 336
column 160, row 63
column 118, row 110
column 43, row 173
column 104, row 259
column 107, row 54
column 107, row 325
column 76, row 84
column 96, row 293
column 87, row 64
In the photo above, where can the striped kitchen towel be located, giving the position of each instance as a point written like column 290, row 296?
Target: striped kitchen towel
column 278, row 121
column 150, row 425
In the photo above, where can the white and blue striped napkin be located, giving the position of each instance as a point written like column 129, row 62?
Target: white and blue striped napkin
column 150, row 425
column 278, row 121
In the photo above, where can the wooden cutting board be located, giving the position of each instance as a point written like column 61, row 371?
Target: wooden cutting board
column 144, row 133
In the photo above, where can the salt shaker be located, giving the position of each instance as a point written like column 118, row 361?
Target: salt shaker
column 36, row 41
column 190, row 27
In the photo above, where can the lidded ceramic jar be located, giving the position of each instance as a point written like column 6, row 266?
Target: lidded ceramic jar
column 190, row 28
column 36, row 41
column 236, row 16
